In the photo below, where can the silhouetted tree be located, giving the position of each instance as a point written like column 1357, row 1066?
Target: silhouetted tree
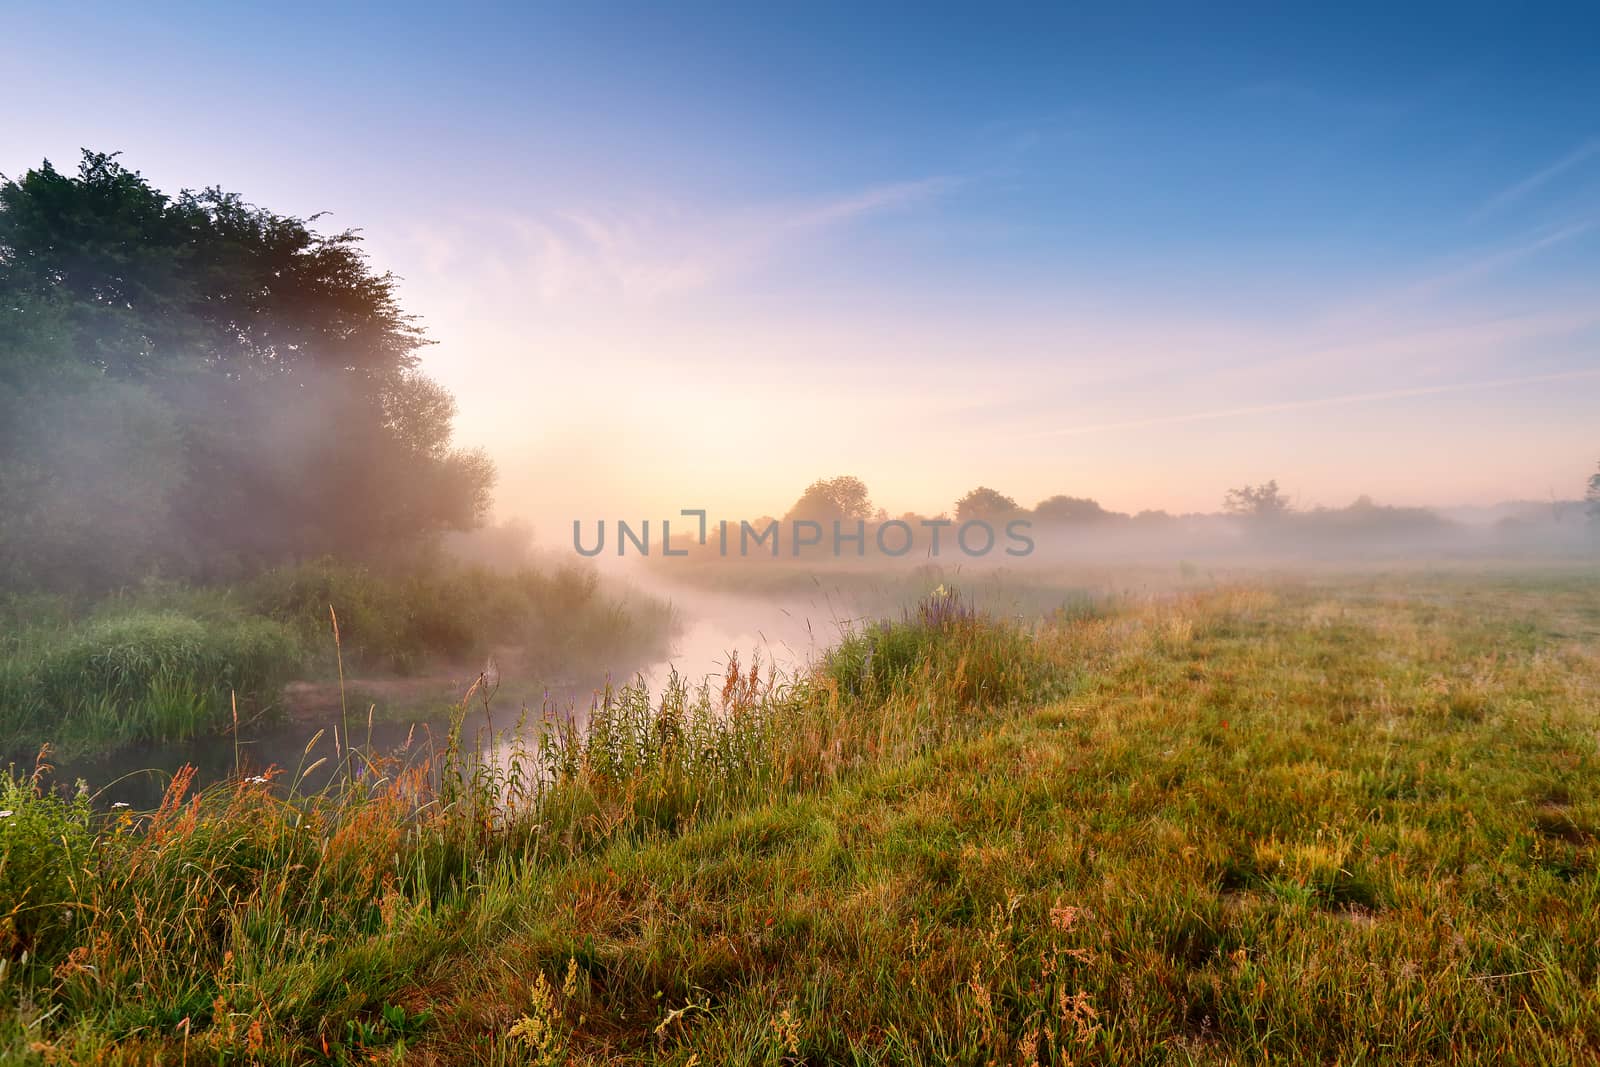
column 1066, row 509
column 843, row 498
column 252, row 383
column 985, row 504
column 1593, row 496
column 1263, row 501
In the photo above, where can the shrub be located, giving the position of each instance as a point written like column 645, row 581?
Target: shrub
column 398, row 618
column 44, row 840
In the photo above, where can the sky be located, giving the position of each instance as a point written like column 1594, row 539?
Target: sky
column 686, row 256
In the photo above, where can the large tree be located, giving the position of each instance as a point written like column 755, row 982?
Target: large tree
column 1264, row 501
column 1069, row 509
column 844, row 499
column 248, row 384
column 988, row 505
column 1593, row 496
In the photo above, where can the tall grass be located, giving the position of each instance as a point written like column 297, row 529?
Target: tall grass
column 1354, row 825
column 192, row 918
column 143, row 676
column 400, row 617
column 644, row 766
column 165, row 663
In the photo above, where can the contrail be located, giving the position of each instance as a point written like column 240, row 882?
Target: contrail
column 1320, row 402
column 1529, row 184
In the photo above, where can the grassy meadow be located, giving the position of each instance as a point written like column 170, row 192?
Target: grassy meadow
column 1337, row 819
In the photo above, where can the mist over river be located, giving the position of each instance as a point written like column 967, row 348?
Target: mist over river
column 783, row 633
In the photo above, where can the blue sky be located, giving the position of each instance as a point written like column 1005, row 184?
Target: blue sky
column 701, row 255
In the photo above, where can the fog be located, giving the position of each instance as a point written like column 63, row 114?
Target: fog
column 232, row 499
column 789, row 607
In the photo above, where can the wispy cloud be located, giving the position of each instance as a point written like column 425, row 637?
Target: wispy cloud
column 1465, row 270
column 865, row 202
column 1443, row 343
column 1319, row 402
column 1513, row 193
column 645, row 254
column 1494, row 261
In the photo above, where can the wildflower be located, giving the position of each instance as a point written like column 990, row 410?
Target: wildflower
column 6, row 814
column 119, row 804
column 259, row 779
column 787, row 1028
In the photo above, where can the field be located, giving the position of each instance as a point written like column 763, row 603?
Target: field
column 1333, row 818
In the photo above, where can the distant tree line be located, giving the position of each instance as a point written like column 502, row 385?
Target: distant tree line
column 195, row 386
column 1263, row 510
column 846, row 499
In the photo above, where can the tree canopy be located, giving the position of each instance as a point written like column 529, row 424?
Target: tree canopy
column 196, row 385
column 1264, row 501
column 1066, row 509
column 843, row 499
column 985, row 504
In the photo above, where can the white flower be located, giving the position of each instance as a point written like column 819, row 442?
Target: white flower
column 6, row 814
column 257, row 780
column 119, row 804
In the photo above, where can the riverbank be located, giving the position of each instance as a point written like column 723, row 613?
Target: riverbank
column 167, row 664
column 1325, row 820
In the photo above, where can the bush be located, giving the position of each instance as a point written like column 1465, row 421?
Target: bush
column 44, row 840
column 399, row 618
column 370, row 624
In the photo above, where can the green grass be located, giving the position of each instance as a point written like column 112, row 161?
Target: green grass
column 158, row 676
column 166, row 663
column 399, row 618
column 1335, row 820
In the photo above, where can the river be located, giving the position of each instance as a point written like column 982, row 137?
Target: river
column 785, row 632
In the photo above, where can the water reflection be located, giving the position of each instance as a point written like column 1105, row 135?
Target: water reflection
column 412, row 716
